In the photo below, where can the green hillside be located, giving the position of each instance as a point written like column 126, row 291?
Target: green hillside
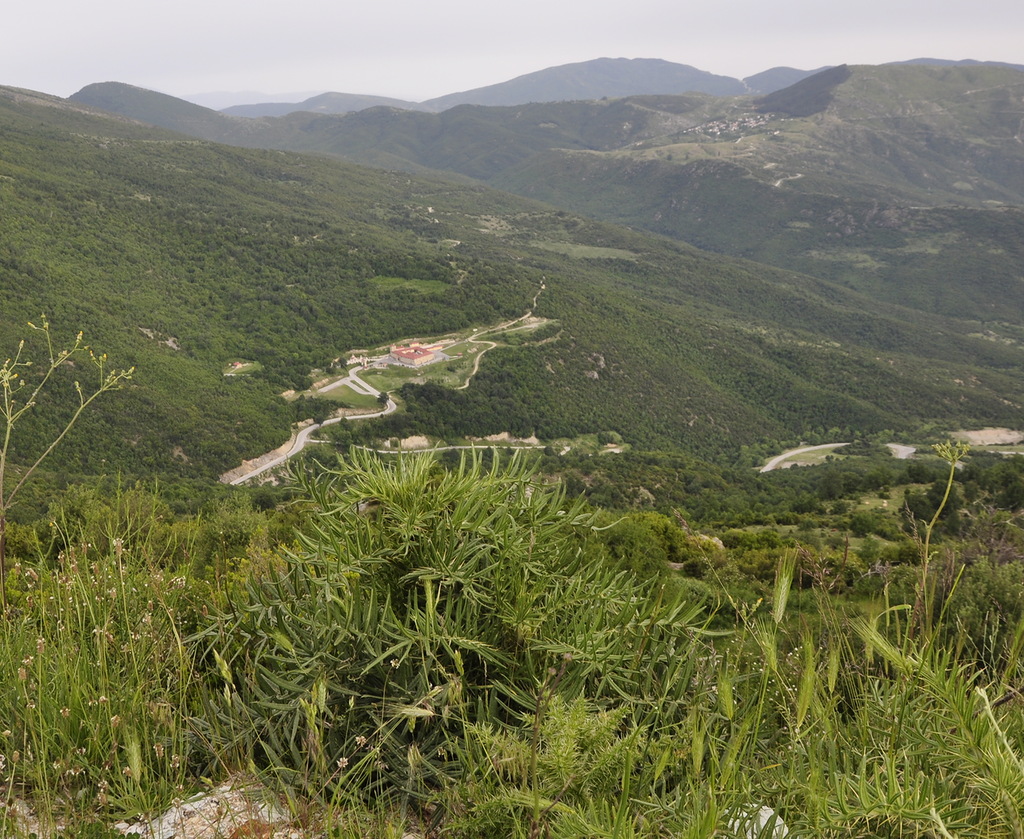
column 902, row 133
column 957, row 261
column 159, row 109
column 900, row 181
column 177, row 256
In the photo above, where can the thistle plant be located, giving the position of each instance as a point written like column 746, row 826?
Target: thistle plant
column 953, row 454
column 18, row 398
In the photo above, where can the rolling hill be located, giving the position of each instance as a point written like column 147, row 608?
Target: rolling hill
column 900, row 181
column 177, row 255
column 906, row 133
column 596, row 79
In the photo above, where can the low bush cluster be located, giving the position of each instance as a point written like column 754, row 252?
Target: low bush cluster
column 466, row 652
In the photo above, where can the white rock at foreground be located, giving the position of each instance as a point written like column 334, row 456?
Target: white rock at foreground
column 227, row 811
column 762, row 823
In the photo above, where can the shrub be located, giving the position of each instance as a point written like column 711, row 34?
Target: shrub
column 424, row 601
column 985, row 609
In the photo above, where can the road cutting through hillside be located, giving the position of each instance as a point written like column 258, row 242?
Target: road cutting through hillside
column 779, row 462
column 501, row 327
column 476, row 361
column 783, row 461
column 250, row 469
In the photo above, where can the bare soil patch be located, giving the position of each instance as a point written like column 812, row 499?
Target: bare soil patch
column 990, row 436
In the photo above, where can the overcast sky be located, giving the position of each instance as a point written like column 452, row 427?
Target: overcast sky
column 419, row 49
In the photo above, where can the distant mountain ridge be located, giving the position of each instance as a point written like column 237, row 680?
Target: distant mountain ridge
column 598, row 78
column 323, row 103
column 924, row 135
column 220, row 100
column 966, row 62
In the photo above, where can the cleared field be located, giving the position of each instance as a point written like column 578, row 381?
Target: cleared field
column 241, row 367
column 403, row 284
column 391, row 378
column 346, row 396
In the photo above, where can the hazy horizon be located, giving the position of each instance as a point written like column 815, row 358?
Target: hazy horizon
column 416, row 51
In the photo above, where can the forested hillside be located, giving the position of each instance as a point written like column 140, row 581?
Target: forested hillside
column 904, row 182
column 177, row 256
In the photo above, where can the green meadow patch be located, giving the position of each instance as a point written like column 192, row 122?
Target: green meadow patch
column 389, row 378
column 406, row 284
column 585, row 251
column 349, row 398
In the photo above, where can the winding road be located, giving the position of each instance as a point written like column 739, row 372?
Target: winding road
column 353, row 381
column 302, row 437
column 488, row 345
column 899, row 451
column 776, row 462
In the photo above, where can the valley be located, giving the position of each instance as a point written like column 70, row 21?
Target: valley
column 513, row 549
column 286, row 260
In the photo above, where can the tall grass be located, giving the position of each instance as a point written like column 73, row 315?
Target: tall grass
column 96, row 686
column 841, row 727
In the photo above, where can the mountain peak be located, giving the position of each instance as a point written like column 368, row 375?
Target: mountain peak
column 595, row 79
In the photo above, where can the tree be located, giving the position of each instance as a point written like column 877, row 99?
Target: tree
column 18, row 397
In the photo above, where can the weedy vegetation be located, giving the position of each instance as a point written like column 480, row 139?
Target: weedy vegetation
column 464, row 649
column 20, row 391
column 453, row 651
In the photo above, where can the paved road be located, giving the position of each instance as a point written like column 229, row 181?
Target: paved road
column 353, row 381
column 776, row 462
column 302, row 438
column 898, row 450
